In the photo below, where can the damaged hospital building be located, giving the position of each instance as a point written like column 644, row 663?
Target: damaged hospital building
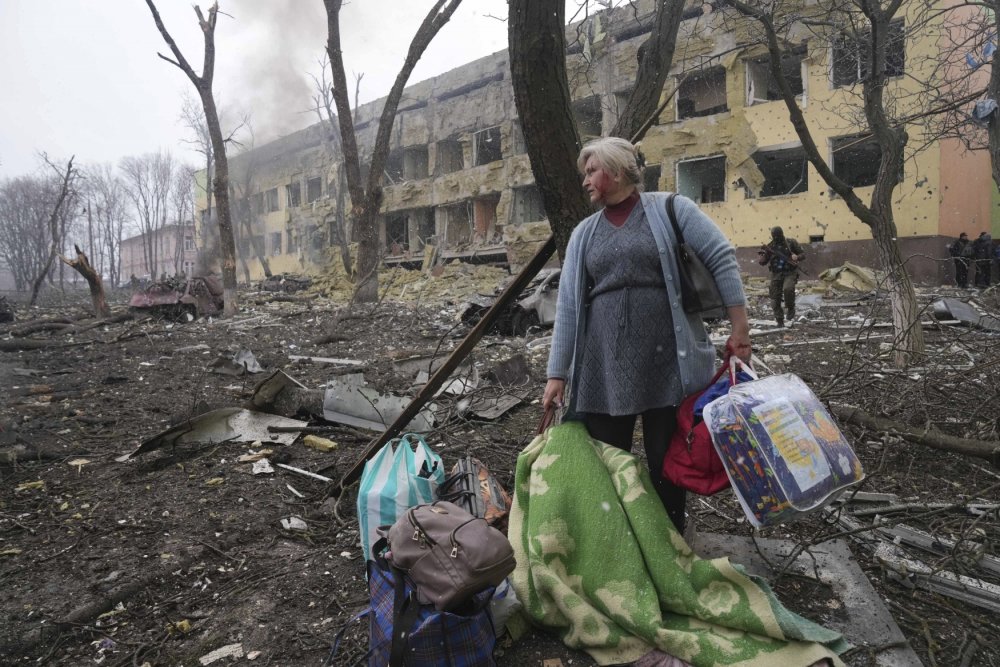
column 458, row 184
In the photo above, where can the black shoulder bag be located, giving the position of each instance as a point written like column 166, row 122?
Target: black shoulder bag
column 699, row 292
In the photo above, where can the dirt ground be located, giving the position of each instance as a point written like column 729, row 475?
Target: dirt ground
column 162, row 559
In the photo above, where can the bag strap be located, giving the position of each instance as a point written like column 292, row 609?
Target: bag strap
column 405, row 610
column 547, row 419
column 335, row 648
column 672, row 215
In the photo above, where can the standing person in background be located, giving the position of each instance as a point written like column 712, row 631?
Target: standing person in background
column 982, row 253
column 961, row 251
column 782, row 256
column 622, row 341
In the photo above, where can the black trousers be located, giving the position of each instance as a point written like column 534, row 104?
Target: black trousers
column 961, row 272
column 983, row 269
column 658, row 426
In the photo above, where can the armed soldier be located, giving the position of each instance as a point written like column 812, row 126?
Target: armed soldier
column 782, row 256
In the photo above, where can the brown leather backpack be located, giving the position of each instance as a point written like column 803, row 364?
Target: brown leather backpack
column 449, row 554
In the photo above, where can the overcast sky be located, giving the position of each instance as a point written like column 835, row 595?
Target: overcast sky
column 81, row 77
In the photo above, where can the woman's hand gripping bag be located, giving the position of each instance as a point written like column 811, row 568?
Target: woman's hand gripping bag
column 782, row 451
column 393, row 481
column 691, row 461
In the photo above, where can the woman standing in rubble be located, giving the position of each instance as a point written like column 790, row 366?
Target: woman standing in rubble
column 622, row 340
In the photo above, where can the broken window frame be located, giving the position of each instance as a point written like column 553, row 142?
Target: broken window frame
column 314, row 189
column 293, row 194
column 758, row 70
column 693, row 79
column 857, row 152
column 849, row 56
column 716, row 194
column 416, row 160
column 393, row 169
column 448, row 157
column 486, row 146
column 275, row 244
column 776, row 180
column 527, row 201
column 397, row 231
column 588, row 116
column 188, row 243
column 290, row 246
column 271, row 200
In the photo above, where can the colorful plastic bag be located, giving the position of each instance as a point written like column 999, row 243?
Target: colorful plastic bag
column 393, row 481
column 782, row 451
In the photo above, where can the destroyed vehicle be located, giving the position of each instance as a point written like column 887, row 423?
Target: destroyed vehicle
column 177, row 297
column 536, row 307
column 285, row 282
column 6, row 310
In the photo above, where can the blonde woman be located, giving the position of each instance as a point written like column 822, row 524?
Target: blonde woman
column 622, row 342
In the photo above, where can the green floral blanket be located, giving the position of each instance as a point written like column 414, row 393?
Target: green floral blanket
column 600, row 563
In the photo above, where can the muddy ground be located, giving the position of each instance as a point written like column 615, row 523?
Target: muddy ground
column 167, row 557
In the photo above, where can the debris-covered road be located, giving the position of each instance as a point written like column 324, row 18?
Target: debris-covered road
column 189, row 552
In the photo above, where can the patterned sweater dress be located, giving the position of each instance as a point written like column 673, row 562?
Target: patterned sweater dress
column 629, row 360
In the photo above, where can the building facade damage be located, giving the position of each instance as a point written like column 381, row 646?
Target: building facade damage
column 458, row 184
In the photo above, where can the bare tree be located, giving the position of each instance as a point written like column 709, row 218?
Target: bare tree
column 193, row 117
column 865, row 25
column 56, row 223
column 148, row 183
column 366, row 198
column 324, row 106
column 106, row 198
column 182, row 203
column 25, row 206
column 220, row 182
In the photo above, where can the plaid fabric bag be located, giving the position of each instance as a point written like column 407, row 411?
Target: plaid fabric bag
column 406, row 633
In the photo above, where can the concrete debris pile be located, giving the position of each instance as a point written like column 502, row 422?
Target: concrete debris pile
column 453, row 281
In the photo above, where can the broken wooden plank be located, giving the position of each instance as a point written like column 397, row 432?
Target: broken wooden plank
column 300, row 471
column 935, row 545
column 916, row 574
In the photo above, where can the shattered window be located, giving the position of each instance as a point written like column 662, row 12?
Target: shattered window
column 785, row 172
column 290, row 246
column 396, row 234
column 188, row 242
column 258, row 203
column 487, row 146
column 293, row 194
column 703, row 180
column 651, row 177
column 415, row 162
column 761, row 84
column 275, row 243
column 426, row 230
column 458, row 223
column 851, row 55
column 856, row 160
column 448, row 157
column 394, row 167
column 314, row 189
column 587, row 113
column 528, row 205
column 485, row 212
column 702, row 94
column 271, row 200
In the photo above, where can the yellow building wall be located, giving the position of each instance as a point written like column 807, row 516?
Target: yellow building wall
column 919, row 201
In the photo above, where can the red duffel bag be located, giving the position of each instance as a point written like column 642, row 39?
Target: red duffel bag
column 691, row 461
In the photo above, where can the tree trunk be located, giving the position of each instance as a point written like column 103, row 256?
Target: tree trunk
column 536, row 34
column 82, row 266
column 54, row 232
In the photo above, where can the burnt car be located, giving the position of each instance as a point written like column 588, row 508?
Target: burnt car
column 177, row 297
column 535, row 307
column 286, row 282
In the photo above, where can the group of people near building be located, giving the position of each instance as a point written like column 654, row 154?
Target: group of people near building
column 978, row 255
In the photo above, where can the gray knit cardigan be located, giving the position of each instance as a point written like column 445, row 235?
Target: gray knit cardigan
column 695, row 352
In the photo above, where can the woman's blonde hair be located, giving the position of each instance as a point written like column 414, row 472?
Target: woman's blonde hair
column 616, row 155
